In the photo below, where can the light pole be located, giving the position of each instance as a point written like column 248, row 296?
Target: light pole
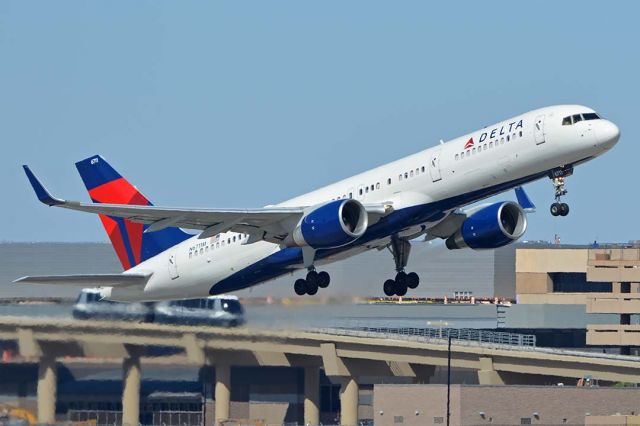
column 449, row 378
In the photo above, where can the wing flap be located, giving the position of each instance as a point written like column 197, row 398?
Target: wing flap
column 87, row 280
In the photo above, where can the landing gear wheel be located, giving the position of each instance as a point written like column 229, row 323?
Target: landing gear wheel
column 312, row 287
column 300, row 287
column 401, row 289
column 555, row 209
column 412, row 280
column 323, row 279
column 401, row 278
column 389, row 288
column 564, row 209
column 312, row 276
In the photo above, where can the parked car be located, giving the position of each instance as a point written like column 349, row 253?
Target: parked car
column 91, row 305
column 215, row 310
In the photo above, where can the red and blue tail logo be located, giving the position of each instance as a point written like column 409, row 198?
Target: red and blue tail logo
column 132, row 245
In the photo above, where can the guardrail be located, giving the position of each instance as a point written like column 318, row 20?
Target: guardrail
column 459, row 336
column 466, row 337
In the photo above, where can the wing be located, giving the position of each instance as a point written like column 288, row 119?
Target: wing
column 91, row 280
column 269, row 223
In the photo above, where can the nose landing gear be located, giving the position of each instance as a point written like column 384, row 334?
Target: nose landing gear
column 558, row 178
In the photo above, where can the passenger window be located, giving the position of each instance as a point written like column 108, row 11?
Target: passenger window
column 468, row 152
column 234, row 238
column 417, row 171
column 201, row 251
column 366, row 190
column 566, row 121
column 228, row 240
column 411, row 173
column 501, row 141
column 372, row 187
column 378, row 185
column 462, row 155
column 217, row 245
column 457, row 157
column 351, row 195
column 422, row 169
column 406, row 175
column 400, row 177
column 190, row 255
column 473, row 151
column 508, row 138
column 484, row 147
column 491, row 144
column 576, row 118
column 389, row 181
column 520, row 133
column 222, row 243
column 206, row 249
column 513, row 136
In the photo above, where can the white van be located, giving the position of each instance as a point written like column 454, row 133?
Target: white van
column 214, row 310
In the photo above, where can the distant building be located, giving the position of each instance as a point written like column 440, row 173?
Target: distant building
column 603, row 281
column 503, row 405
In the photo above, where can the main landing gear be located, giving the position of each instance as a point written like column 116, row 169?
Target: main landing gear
column 558, row 177
column 314, row 280
column 400, row 249
column 312, row 283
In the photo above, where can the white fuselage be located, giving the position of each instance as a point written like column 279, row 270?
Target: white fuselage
column 497, row 158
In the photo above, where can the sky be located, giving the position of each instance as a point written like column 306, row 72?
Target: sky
column 244, row 104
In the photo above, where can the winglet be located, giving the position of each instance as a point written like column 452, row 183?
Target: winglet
column 524, row 201
column 43, row 195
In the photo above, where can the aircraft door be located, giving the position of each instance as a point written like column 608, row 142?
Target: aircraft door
column 538, row 130
column 434, row 166
column 173, row 266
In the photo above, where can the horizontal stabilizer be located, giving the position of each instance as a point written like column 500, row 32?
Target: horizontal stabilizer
column 90, row 280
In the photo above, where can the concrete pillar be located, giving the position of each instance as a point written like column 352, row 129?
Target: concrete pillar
column 311, row 396
column 222, row 392
column 47, row 389
column 349, row 402
column 131, row 391
column 487, row 375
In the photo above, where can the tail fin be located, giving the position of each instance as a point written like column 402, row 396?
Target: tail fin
column 132, row 245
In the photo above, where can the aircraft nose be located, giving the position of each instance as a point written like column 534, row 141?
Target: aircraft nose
column 607, row 133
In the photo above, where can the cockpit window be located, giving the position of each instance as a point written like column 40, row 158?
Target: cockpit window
column 573, row 119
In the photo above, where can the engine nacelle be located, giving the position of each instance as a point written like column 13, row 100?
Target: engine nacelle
column 493, row 226
column 332, row 225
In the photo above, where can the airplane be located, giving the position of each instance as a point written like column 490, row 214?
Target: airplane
column 425, row 195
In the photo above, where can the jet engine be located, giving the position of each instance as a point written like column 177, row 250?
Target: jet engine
column 493, row 226
column 330, row 225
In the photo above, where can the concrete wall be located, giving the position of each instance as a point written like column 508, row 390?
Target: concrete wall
column 477, row 405
column 551, row 260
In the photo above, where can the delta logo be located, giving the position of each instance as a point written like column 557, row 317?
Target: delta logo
column 469, row 144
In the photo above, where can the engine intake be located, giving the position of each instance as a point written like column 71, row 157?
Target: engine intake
column 491, row 227
column 333, row 224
